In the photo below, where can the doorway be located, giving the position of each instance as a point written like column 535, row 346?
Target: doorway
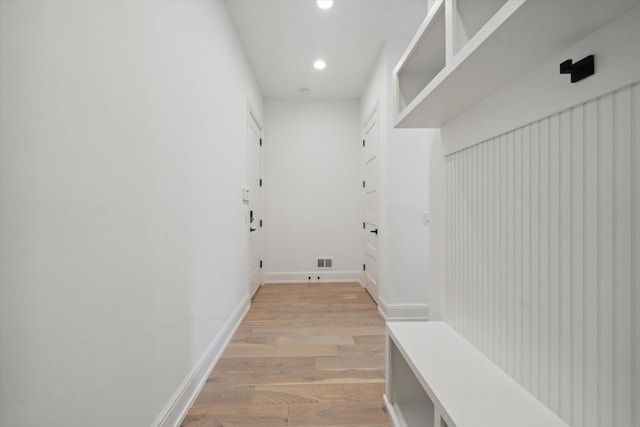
column 371, row 166
column 255, row 202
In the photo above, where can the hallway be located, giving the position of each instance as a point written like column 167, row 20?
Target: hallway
column 304, row 355
column 189, row 207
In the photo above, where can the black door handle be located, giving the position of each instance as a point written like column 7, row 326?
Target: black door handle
column 251, row 230
column 374, row 231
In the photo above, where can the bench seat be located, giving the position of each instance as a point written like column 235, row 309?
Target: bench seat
column 436, row 378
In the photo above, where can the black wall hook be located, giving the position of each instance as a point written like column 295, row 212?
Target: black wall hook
column 578, row 70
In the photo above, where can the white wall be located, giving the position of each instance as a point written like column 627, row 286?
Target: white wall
column 542, row 231
column 124, row 248
column 408, row 199
column 404, row 196
column 438, row 229
column 313, row 189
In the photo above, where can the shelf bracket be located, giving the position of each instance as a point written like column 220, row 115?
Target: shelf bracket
column 578, row 70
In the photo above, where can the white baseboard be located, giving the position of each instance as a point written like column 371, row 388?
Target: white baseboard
column 403, row 312
column 326, row 276
column 178, row 406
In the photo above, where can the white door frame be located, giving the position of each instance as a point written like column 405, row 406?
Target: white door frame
column 371, row 214
column 255, row 205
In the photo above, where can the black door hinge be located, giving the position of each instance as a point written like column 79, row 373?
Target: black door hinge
column 364, row 184
column 363, row 143
column 260, row 223
column 260, row 142
column 364, row 267
column 364, row 225
column 260, row 182
column 260, row 263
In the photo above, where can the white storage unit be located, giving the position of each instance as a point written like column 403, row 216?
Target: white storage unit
column 435, row 378
column 467, row 49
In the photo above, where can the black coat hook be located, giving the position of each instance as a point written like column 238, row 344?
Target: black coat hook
column 578, row 70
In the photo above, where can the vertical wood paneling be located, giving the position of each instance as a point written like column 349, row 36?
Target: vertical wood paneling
column 461, row 245
column 622, row 250
column 457, row 255
column 545, row 275
column 481, row 290
column 564, row 306
column 450, row 246
column 459, row 231
column 475, row 303
column 498, row 181
column 481, row 254
column 468, row 278
column 635, row 314
column 449, row 306
column 486, row 250
column 462, row 248
column 606, row 281
column 543, row 260
column 491, row 200
column 535, row 259
column 577, row 262
column 511, row 247
column 458, row 239
column 518, row 242
column 497, row 254
column 504, row 250
column 526, row 257
column 591, row 330
column 554, row 262
column 510, row 244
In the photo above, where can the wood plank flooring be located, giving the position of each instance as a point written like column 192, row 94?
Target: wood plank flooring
column 304, row 355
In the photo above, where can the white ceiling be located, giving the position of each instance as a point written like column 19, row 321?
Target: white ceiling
column 282, row 38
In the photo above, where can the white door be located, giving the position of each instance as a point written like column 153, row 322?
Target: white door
column 254, row 150
column 370, row 185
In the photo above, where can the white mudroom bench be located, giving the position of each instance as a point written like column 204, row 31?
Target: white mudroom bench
column 435, row 378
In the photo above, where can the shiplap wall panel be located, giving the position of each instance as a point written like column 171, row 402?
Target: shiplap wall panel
column 535, row 258
column 622, row 251
column 504, row 266
column 635, row 182
column 517, row 280
column 543, row 259
column 591, row 330
column 577, row 265
column 489, row 254
column 554, row 261
column 544, row 248
column 510, row 245
column 526, row 255
column 564, row 311
column 605, row 255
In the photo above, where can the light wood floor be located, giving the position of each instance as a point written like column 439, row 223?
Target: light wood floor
column 305, row 355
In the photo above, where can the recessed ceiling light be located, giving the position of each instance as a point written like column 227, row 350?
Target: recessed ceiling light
column 325, row 4
column 319, row 64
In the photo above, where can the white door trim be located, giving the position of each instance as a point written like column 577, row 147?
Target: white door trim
column 371, row 214
column 256, row 200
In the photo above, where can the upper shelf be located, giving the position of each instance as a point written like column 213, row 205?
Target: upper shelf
column 467, row 49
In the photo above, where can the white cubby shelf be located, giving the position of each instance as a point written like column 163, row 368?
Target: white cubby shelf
column 435, row 378
column 467, row 49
